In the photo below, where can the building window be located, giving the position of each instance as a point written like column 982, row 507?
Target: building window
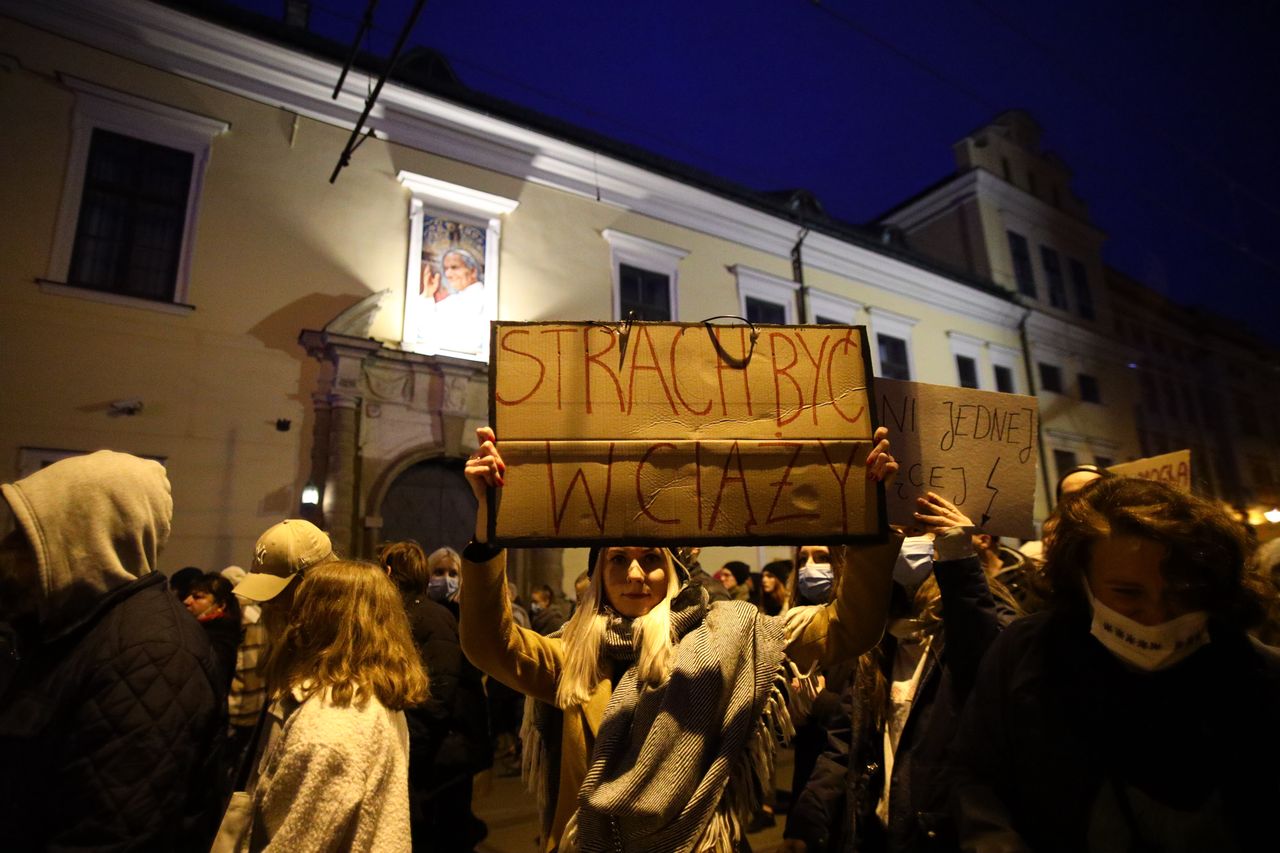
column 126, row 227
column 765, row 298
column 1050, row 378
column 764, row 311
column 1053, row 275
column 645, row 275
column 891, row 356
column 1080, row 284
column 643, row 294
column 1022, row 272
column 1031, row 183
column 1089, row 388
column 967, row 369
column 825, row 309
column 1064, row 461
column 894, row 362
column 1004, row 379
column 129, row 235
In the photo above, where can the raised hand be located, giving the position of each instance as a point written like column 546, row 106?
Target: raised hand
column 937, row 514
column 881, row 466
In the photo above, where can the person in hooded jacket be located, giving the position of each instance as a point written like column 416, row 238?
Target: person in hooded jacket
column 111, row 705
column 211, row 601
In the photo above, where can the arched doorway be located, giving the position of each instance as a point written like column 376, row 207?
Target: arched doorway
column 432, row 503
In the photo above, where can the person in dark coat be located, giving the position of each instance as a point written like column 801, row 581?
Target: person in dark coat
column 1135, row 713
column 111, row 706
column 449, row 736
column 910, row 691
column 546, row 613
column 211, row 601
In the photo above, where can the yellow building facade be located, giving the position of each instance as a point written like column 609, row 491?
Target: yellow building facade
column 281, row 356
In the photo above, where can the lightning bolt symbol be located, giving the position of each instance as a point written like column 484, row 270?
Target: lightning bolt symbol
column 986, row 514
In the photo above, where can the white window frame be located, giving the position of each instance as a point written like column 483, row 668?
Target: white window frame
column 462, row 204
column 98, row 107
column 645, row 254
column 1009, row 358
column 767, row 288
column 893, row 324
column 970, row 347
column 819, row 302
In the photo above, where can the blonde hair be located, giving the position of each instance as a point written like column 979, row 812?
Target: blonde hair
column 347, row 632
column 583, row 666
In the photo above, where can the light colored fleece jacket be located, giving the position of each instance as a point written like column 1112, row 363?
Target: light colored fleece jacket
column 335, row 779
column 94, row 523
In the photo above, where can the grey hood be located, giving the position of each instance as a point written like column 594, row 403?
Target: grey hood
column 95, row 523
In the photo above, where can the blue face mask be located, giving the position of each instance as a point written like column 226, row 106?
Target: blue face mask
column 814, row 582
column 915, row 561
column 442, row 588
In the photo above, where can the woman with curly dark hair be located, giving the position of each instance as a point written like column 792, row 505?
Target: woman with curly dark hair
column 1135, row 713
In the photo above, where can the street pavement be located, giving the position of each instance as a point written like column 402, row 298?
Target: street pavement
column 511, row 812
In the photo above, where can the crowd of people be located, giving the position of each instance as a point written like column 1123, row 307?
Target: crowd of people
column 1107, row 688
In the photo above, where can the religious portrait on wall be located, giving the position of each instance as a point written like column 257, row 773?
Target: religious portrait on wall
column 449, row 306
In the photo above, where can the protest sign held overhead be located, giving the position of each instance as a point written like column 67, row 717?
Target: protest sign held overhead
column 975, row 448
column 1172, row 468
column 682, row 433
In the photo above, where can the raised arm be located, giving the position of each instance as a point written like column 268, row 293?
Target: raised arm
column 522, row 659
column 853, row 622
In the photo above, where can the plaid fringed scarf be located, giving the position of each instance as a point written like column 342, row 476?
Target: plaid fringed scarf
column 679, row 767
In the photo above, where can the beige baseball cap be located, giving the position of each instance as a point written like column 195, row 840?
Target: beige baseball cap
column 284, row 550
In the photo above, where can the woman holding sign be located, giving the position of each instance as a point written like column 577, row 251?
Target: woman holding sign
column 652, row 717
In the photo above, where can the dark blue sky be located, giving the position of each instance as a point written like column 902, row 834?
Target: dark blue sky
column 1163, row 110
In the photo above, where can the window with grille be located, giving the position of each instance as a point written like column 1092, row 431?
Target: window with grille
column 1050, row 378
column 1053, row 275
column 1022, row 271
column 894, row 361
column 1004, row 379
column 643, row 294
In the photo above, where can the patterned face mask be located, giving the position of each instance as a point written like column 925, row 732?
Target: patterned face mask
column 1148, row 647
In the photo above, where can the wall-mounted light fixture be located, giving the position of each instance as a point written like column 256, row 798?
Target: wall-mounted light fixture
column 310, row 494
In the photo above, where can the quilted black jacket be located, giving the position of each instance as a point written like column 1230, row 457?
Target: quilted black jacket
column 109, row 735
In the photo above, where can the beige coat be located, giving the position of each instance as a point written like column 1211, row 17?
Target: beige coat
column 530, row 663
column 333, row 779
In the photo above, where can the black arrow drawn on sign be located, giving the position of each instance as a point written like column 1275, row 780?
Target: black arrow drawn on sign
column 986, row 514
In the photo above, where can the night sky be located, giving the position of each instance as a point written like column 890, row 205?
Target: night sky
column 1165, row 111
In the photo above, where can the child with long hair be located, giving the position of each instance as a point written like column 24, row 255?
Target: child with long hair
column 652, row 717
column 341, row 672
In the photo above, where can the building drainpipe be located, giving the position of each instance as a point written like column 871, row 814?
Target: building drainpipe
column 797, row 273
column 1031, row 383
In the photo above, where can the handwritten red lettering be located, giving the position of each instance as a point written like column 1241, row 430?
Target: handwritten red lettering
column 559, row 363
column 846, row 343
column 643, row 502
column 642, row 335
column 504, row 343
column 734, row 454
column 778, row 372
column 675, row 376
column 783, row 483
column 558, row 508
column 594, row 358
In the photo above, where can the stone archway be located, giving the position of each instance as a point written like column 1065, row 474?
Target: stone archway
column 430, row 502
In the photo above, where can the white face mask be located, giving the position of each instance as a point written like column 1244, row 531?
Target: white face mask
column 1148, row 647
column 915, row 561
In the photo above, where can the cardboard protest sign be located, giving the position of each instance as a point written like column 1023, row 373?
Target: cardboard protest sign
column 1172, row 468
column 975, row 448
column 682, row 433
